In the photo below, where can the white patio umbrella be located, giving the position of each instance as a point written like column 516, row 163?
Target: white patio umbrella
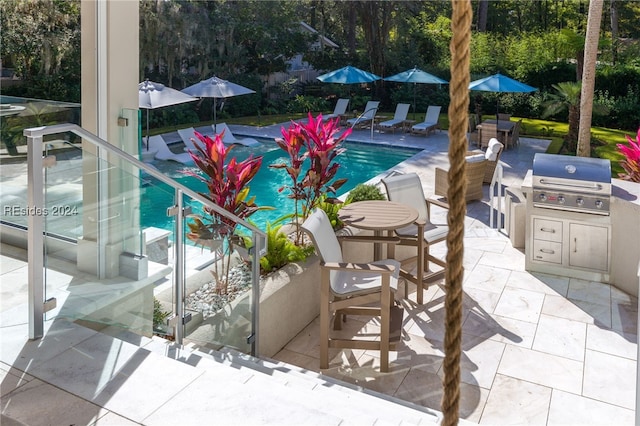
column 216, row 88
column 155, row 95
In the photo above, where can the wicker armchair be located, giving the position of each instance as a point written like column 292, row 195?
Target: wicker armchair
column 492, row 155
column 476, row 167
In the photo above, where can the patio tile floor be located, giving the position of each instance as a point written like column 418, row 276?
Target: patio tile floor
column 537, row 348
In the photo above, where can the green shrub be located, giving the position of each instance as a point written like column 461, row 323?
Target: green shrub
column 281, row 250
column 159, row 315
column 331, row 206
column 365, row 192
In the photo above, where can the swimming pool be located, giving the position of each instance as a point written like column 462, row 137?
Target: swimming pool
column 359, row 163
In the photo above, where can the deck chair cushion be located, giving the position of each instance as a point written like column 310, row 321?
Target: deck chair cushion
column 493, row 149
column 475, row 158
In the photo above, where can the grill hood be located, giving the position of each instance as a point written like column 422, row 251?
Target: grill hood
column 572, row 168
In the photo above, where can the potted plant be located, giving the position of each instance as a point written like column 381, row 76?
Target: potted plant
column 631, row 163
column 317, row 144
column 228, row 187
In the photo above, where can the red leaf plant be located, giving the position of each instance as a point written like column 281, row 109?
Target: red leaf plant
column 318, row 144
column 227, row 184
column 631, row 163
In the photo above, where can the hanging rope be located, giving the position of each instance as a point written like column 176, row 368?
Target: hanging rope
column 458, row 117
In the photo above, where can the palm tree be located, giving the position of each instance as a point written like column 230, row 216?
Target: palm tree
column 589, row 77
column 566, row 98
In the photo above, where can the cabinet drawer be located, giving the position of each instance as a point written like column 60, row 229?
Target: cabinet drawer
column 548, row 230
column 547, row 251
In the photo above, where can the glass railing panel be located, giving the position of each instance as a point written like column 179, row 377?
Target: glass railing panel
column 103, row 266
column 219, row 290
column 17, row 114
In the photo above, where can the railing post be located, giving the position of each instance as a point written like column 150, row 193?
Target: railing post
column 178, row 275
column 258, row 247
column 35, row 242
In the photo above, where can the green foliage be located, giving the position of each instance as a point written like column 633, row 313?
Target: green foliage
column 306, row 103
column 365, row 192
column 281, row 250
column 331, row 206
column 159, row 315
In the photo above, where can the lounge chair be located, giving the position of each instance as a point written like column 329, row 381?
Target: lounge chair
column 398, row 118
column 158, row 144
column 338, row 111
column 366, row 118
column 228, row 138
column 188, row 138
column 430, row 123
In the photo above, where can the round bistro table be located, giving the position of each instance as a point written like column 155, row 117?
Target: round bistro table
column 378, row 216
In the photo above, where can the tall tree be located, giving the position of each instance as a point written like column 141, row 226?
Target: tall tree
column 567, row 97
column 483, row 12
column 589, row 77
column 615, row 30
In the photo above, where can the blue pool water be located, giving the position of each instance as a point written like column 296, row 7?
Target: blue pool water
column 359, row 163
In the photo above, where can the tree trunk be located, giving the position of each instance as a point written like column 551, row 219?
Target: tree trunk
column 571, row 142
column 351, row 28
column 483, row 11
column 615, row 30
column 589, row 77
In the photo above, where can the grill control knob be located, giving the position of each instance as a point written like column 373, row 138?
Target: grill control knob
column 561, row 199
column 542, row 197
column 580, row 201
column 599, row 204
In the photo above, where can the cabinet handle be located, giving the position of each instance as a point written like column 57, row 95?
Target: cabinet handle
column 575, row 245
column 548, row 251
column 553, row 231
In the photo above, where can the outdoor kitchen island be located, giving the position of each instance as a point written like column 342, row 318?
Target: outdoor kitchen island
column 594, row 247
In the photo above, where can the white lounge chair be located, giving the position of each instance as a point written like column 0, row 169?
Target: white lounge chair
column 228, row 138
column 367, row 117
column 158, row 144
column 398, row 118
column 189, row 138
column 430, row 122
column 338, row 111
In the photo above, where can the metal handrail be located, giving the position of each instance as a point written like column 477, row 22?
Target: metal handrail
column 36, row 224
column 362, row 115
column 74, row 128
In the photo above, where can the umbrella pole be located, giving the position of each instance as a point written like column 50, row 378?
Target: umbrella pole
column 497, row 114
column 147, row 130
column 414, row 100
column 215, row 116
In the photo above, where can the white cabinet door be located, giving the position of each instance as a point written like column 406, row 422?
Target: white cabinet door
column 589, row 246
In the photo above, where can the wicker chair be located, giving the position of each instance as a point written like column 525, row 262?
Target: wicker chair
column 504, row 117
column 476, row 168
column 492, row 155
column 513, row 138
column 472, row 133
column 487, row 132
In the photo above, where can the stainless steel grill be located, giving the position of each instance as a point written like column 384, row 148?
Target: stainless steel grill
column 568, row 183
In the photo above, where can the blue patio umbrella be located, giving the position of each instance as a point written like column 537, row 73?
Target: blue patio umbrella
column 415, row 76
column 501, row 84
column 348, row 75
